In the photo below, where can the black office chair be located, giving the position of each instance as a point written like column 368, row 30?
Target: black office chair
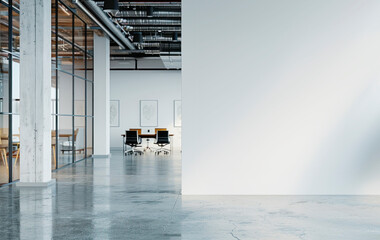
column 132, row 139
column 162, row 139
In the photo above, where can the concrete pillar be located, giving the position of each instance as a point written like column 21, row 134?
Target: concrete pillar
column 35, row 93
column 101, row 96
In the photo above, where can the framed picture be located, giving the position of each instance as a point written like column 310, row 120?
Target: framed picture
column 148, row 113
column 115, row 113
column 177, row 113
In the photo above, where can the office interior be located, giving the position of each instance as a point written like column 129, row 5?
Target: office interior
column 189, row 119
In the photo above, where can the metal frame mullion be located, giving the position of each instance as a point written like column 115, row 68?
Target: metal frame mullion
column 56, row 89
column 10, row 73
column 85, row 90
column 73, row 90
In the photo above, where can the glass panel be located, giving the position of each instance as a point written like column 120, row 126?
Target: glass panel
column 53, row 92
column 79, row 33
column 90, row 68
column 4, row 170
column 53, row 142
column 16, row 3
column 79, row 135
column 65, row 93
column 4, row 84
column 65, row 56
column 16, row 85
column 53, row 52
column 89, row 98
column 65, row 149
column 53, row 35
column 79, row 96
column 90, row 42
column 89, row 136
column 79, row 63
column 53, row 4
column 16, row 31
column 3, row 27
column 65, row 23
column 16, row 146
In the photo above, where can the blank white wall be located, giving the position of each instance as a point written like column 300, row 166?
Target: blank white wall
column 132, row 86
column 281, row 97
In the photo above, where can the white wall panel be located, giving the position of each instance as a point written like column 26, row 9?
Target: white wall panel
column 281, row 97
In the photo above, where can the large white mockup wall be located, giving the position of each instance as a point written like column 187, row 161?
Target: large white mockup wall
column 281, row 97
column 129, row 87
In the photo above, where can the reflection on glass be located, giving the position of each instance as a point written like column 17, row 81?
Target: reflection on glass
column 4, row 84
column 79, row 95
column 79, row 63
column 16, row 31
column 65, row 140
column 90, row 68
column 89, row 98
column 79, row 33
column 3, row 27
column 79, row 137
column 16, row 146
column 16, row 85
column 53, row 17
column 65, row 23
column 90, row 42
column 53, row 143
column 16, row 3
column 53, row 52
column 65, row 93
column 53, row 92
column 4, row 169
column 65, row 55
column 89, row 136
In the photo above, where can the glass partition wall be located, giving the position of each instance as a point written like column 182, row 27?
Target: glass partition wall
column 9, row 91
column 71, row 88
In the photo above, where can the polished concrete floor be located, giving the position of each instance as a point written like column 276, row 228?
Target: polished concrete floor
column 139, row 198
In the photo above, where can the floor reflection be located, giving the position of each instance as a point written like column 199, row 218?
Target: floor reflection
column 138, row 197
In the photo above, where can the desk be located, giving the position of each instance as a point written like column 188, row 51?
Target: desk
column 66, row 135
column 149, row 135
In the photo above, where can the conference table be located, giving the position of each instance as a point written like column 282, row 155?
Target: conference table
column 149, row 136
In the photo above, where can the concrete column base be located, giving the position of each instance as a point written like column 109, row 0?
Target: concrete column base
column 102, row 156
column 36, row 184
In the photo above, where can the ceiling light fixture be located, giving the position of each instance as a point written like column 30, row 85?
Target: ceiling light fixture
column 111, row 6
column 149, row 12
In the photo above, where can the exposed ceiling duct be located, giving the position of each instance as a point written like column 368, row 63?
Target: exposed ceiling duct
column 147, row 3
column 153, row 27
column 130, row 13
column 98, row 16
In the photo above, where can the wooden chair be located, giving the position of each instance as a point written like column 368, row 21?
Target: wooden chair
column 3, row 149
column 69, row 144
column 53, row 139
column 53, row 136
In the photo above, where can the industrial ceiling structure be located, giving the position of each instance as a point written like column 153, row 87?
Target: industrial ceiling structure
column 152, row 29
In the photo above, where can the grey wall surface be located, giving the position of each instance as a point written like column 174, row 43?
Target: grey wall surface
column 285, row 94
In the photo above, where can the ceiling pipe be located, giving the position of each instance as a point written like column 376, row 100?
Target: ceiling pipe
column 104, row 23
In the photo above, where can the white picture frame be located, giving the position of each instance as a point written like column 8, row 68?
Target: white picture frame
column 177, row 113
column 148, row 113
column 114, row 113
